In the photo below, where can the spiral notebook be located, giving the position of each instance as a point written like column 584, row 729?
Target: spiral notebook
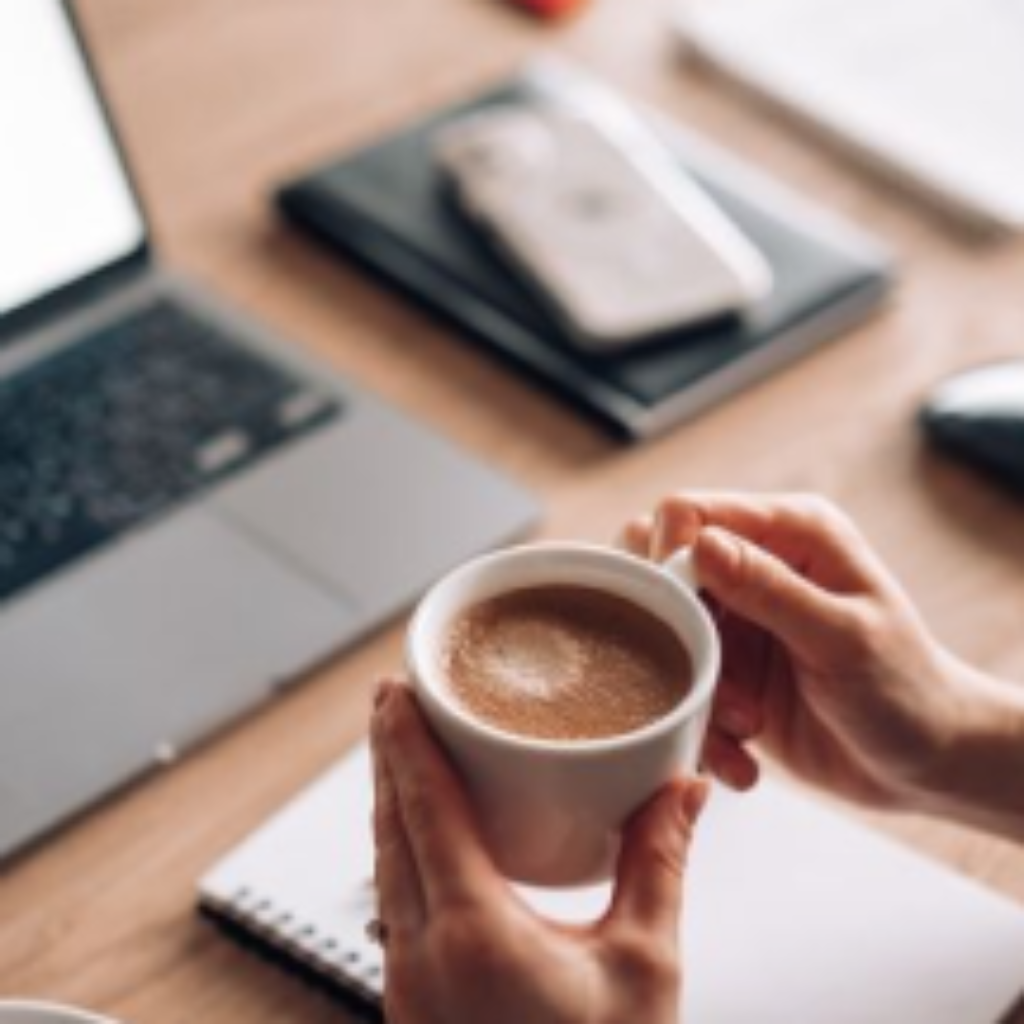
column 795, row 913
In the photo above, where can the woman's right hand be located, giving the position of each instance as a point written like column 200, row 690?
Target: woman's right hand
column 827, row 664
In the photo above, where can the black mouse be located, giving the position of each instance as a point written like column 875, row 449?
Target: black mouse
column 978, row 416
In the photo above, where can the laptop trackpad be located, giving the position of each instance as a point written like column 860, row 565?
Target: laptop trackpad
column 181, row 629
column 377, row 509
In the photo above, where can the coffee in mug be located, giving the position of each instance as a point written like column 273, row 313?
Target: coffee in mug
column 565, row 662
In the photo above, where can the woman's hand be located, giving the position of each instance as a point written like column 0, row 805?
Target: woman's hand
column 461, row 947
column 829, row 667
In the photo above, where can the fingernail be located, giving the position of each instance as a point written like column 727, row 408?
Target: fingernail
column 624, row 539
column 735, row 720
column 694, row 798
column 723, row 548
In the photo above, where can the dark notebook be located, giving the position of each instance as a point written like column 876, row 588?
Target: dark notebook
column 387, row 207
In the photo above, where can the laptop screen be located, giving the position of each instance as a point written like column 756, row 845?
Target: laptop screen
column 66, row 205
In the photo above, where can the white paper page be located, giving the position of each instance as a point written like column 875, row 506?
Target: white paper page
column 932, row 88
column 795, row 915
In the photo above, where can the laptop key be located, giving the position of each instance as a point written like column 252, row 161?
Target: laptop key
column 126, row 424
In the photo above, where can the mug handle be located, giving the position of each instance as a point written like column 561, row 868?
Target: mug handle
column 680, row 566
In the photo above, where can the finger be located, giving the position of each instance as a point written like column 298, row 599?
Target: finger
column 728, row 760
column 735, row 714
column 399, row 894
column 680, row 519
column 762, row 589
column 445, row 843
column 749, row 658
column 649, row 878
column 677, row 522
column 635, row 536
column 805, row 531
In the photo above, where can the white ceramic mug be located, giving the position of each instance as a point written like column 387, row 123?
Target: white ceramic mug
column 29, row 1012
column 552, row 811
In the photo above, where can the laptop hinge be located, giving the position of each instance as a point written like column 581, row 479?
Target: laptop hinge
column 78, row 296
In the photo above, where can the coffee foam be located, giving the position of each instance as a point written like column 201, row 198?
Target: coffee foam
column 532, row 658
column 564, row 662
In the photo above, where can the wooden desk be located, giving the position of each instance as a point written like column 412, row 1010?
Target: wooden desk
column 219, row 100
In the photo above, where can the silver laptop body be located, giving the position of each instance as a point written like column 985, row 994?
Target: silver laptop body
column 124, row 655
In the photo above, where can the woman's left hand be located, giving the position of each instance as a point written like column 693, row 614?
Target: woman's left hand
column 462, row 947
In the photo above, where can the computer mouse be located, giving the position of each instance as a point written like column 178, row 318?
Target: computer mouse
column 978, row 416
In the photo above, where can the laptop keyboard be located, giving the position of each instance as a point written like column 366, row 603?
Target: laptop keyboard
column 127, row 423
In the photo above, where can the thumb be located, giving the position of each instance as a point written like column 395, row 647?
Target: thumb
column 652, row 862
column 761, row 588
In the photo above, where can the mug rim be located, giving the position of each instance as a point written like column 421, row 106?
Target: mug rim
column 701, row 690
column 50, row 1013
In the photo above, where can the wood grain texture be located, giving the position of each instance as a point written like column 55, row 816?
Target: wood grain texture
column 220, row 100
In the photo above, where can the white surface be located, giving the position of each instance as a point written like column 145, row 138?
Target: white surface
column 931, row 89
column 551, row 811
column 65, row 208
column 795, row 915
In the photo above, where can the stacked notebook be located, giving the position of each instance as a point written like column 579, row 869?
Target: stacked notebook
column 795, row 914
column 386, row 208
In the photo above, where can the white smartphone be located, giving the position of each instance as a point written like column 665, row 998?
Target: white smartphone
column 620, row 241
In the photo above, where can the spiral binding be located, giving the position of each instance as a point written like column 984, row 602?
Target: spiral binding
column 353, row 962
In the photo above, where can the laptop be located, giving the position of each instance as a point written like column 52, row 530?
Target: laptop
column 192, row 514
